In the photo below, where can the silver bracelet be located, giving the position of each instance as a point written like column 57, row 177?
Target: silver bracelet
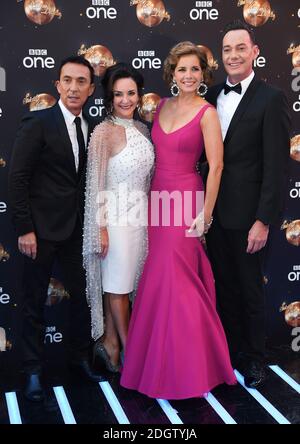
column 207, row 225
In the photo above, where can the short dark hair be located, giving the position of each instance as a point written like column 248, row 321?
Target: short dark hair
column 236, row 25
column 116, row 72
column 79, row 60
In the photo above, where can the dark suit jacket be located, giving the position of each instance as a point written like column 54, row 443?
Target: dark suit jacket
column 256, row 151
column 46, row 192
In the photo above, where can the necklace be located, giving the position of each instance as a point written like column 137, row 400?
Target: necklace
column 126, row 123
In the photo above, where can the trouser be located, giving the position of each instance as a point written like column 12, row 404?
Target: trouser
column 240, row 290
column 36, row 278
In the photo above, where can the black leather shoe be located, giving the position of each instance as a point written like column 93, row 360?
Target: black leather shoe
column 33, row 390
column 254, row 375
column 84, row 370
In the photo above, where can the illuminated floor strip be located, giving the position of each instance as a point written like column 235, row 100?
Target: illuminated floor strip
column 114, row 403
column 286, row 377
column 13, row 408
column 169, row 411
column 64, row 405
column 262, row 401
column 219, row 409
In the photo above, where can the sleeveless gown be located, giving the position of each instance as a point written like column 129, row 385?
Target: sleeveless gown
column 176, row 345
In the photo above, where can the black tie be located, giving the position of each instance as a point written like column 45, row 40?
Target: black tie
column 81, row 144
column 236, row 88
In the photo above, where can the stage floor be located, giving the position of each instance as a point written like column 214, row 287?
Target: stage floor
column 71, row 401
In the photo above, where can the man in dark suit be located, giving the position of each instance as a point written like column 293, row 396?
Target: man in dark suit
column 46, row 186
column 255, row 124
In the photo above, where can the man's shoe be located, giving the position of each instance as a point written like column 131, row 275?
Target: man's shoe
column 254, row 375
column 33, row 390
column 84, row 370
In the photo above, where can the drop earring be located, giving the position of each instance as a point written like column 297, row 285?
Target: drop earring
column 174, row 89
column 202, row 89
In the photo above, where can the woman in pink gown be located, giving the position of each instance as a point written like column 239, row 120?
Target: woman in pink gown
column 176, row 344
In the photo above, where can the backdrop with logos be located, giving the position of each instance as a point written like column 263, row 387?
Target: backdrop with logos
column 36, row 34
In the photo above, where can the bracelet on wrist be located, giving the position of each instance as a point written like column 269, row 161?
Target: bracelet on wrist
column 207, row 225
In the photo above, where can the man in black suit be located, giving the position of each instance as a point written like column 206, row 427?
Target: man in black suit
column 46, row 186
column 255, row 124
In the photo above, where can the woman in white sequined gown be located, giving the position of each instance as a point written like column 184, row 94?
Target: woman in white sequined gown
column 120, row 161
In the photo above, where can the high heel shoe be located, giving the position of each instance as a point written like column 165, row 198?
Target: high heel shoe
column 100, row 352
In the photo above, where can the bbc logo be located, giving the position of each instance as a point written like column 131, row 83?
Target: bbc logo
column 100, row 2
column 38, row 52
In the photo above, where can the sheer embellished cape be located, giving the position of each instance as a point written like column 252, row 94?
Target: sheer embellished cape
column 107, row 140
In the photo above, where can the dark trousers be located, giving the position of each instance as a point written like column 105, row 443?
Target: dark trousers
column 36, row 278
column 240, row 292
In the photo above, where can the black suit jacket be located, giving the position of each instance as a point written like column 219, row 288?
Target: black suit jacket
column 46, row 192
column 256, row 151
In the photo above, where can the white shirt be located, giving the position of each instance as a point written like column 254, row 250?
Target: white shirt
column 227, row 104
column 71, row 127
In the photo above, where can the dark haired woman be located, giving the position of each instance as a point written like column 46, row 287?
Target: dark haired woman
column 120, row 161
column 176, row 345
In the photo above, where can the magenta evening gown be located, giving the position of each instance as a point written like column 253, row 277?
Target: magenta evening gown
column 176, row 345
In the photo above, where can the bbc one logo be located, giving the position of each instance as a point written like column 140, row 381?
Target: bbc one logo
column 295, row 192
column 98, row 109
column 294, row 276
column 52, row 336
column 3, row 206
column 4, row 297
column 146, row 60
column 101, row 9
column 204, row 11
column 260, row 62
column 38, row 58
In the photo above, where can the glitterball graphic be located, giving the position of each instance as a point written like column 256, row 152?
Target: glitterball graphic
column 150, row 12
column 291, row 313
column 56, row 293
column 292, row 232
column 295, row 148
column 148, row 105
column 4, row 255
column 295, row 50
column 99, row 57
column 257, row 12
column 40, row 101
column 212, row 63
column 41, row 12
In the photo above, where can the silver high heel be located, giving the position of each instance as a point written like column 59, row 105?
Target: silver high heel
column 100, row 352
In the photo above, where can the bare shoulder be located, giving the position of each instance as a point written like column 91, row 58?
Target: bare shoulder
column 210, row 113
column 210, row 122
